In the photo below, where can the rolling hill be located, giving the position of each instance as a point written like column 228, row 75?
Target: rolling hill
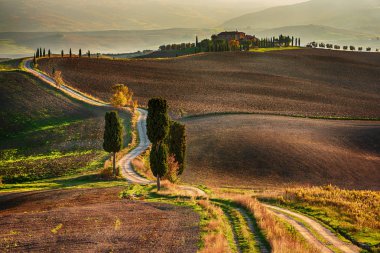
column 255, row 151
column 360, row 16
column 45, row 134
column 296, row 82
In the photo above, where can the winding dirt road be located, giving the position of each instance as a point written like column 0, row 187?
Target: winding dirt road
column 304, row 225
column 126, row 162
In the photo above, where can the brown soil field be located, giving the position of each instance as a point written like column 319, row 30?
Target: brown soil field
column 309, row 82
column 268, row 151
column 93, row 220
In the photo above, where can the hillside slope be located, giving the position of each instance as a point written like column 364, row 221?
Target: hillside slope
column 268, row 151
column 44, row 133
column 362, row 16
column 305, row 82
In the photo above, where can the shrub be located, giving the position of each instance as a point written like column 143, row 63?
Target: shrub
column 107, row 173
column 173, row 167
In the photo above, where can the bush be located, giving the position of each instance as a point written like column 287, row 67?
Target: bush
column 135, row 191
column 172, row 173
column 107, row 173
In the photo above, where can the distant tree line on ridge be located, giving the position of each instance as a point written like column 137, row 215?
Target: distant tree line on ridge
column 337, row 47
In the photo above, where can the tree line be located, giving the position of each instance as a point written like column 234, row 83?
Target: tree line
column 215, row 44
column 337, row 47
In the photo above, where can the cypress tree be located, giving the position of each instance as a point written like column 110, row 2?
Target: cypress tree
column 159, row 161
column 34, row 60
column 80, row 53
column 292, row 41
column 44, row 52
column 88, row 53
column 177, row 144
column 49, row 53
column 157, row 130
column 37, row 53
column 62, row 53
column 70, row 53
column 113, row 135
column 299, row 42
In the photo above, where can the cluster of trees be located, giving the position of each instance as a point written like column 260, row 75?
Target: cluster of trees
column 336, row 47
column 215, row 44
column 181, row 46
column 168, row 140
column 42, row 53
column 280, row 41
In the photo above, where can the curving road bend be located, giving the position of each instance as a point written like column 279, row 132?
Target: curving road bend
column 329, row 237
column 125, row 162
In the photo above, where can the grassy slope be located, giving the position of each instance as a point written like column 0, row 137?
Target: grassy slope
column 353, row 214
column 46, row 134
column 258, row 150
column 297, row 82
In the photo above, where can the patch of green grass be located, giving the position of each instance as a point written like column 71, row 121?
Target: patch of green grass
column 271, row 49
column 85, row 180
column 242, row 232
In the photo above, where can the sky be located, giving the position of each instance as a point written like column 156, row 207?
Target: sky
column 90, row 15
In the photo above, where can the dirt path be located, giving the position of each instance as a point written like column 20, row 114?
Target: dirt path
column 303, row 224
column 126, row 162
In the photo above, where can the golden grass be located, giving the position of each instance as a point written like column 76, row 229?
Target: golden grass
column 215, row 240
column 361, row 207
column 279, row 237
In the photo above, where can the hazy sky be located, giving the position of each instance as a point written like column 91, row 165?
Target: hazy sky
column 85, row 15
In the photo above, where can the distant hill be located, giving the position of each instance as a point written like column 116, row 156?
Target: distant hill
column 360, row 16
column 19, row 44
column 319, row 33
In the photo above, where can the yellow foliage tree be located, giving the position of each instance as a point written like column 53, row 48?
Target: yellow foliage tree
column 234, row 45
column 127, row 93
column 118, row 99
column 57, row 76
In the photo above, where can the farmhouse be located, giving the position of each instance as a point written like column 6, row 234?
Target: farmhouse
column 231, row 36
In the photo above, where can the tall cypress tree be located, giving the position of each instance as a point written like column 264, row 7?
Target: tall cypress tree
column 113, row 135
column 37, row 53
column 157, row 130
column 177, row 144
column 34, row 60
column 70, row 53
column 62, row 53
column 44, row 53
column 49, row 53
column 40, row 52
column 89, row 53
column 80, row 53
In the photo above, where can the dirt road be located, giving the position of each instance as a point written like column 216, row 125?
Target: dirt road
column 313, row 232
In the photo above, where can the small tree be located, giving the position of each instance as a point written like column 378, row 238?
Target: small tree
column 37, row 53
column 113, row 135
column 49, row 53
column 62, row 53
column 57, row 76
column 157, row 131
column 80, row 53
column 44, row 53
column 89, row 54
column 34, row 60
column 70, row 53
column 122, row 95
